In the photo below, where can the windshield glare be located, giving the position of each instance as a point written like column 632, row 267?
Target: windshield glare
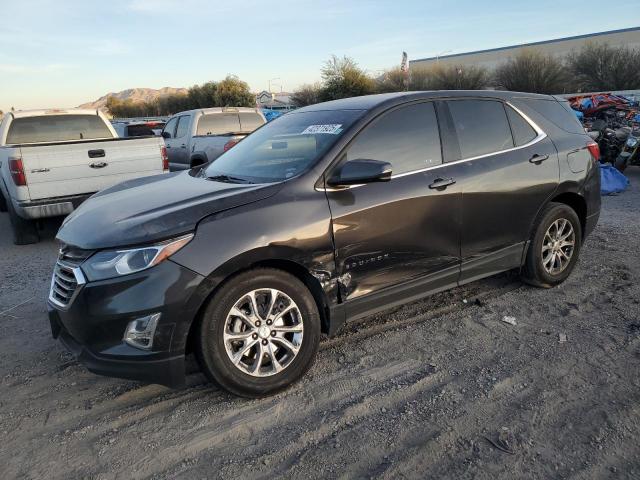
column 285, row 147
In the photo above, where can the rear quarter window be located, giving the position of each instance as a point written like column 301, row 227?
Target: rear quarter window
column 557, row 113
column 57, row 128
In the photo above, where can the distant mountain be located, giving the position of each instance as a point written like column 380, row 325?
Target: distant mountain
column 135, row 95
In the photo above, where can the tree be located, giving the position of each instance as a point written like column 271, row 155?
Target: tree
column 598, row 66
column 233, row 92
column 532, row 71
column 203, row 96
column 306, row 95
column 343, row 78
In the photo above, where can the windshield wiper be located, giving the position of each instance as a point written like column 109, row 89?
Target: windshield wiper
column 229, row 179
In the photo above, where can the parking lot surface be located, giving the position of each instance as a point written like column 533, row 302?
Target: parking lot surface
column 439, row 388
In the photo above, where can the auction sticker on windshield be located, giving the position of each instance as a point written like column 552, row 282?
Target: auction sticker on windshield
column 333, row 129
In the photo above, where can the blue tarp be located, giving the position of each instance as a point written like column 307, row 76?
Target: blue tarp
column 611, row 180
column 271, row 114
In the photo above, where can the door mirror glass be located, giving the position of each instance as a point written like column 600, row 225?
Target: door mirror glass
column 359, row 171
column 166, row 135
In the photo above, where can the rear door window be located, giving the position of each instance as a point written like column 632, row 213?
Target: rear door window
column 57, row 128
column 406, row 137
column 183, row 126
column 218, row 124
column 523, row 133
column 249, row 121
column 481, row 126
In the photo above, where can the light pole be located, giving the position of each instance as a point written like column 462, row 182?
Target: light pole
column 271, row 80
column 438, row 55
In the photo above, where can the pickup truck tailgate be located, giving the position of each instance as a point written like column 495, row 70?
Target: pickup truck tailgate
column 77, row 168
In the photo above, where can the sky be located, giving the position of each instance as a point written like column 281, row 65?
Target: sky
column 61, row 53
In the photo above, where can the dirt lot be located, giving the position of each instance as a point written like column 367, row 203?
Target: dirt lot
column 440, row 388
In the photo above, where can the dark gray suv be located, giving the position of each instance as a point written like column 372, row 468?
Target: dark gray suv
column 328, row 213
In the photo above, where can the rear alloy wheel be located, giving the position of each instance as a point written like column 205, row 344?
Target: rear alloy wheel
column 259, row 333
column 554, row 247
column 558, row 246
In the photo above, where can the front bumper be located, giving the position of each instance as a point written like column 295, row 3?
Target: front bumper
column 93, row 325
column 52, row 207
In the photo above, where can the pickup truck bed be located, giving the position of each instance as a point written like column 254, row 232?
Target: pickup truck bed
column 52, row 160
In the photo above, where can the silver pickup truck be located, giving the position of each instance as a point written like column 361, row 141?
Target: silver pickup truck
column 52, row 160
column 199, row 136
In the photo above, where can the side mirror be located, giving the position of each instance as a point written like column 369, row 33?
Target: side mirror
column 166, row 135
column 359, row 171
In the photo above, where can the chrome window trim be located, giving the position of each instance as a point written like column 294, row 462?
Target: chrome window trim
column 540, row 136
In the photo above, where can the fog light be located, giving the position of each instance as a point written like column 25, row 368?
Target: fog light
column 139, row 332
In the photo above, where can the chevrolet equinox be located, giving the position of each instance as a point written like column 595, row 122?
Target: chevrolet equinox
column 329, row 213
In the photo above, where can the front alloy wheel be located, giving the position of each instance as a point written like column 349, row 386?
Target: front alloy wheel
column 263, row 332
column 259, row 333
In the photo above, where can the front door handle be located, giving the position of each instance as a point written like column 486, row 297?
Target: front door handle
column 96, row 153
column 538, row 159
column 441, row 183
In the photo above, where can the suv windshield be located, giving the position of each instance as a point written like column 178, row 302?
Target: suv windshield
column 283, row 148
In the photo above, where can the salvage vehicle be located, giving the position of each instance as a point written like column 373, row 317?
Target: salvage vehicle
column 200, row 136
column 138, row 128
column 328, row 213
column 630, row 154
column 53, row 160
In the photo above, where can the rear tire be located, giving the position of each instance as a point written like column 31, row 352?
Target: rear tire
column 25, row 231
column 257, row 352
column 3, row 203
column 554, row 247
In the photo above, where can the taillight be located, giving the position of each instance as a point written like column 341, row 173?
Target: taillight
column 165, row 158
column 594, row 150
column 17, row 172
column 230, row 144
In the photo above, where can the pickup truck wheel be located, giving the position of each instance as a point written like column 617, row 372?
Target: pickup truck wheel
column 259, row 333
column 25, row 231
column 3, row 203
column 554, row 248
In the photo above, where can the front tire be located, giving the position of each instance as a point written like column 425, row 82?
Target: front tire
column 554, row 247
column 259, row 333
column 25, row 231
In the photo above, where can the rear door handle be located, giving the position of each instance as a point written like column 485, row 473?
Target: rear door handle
column 538, row 159
column 183, row 146
column 441, row 183
column 96, row 153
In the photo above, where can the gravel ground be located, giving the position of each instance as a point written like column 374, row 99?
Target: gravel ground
column 439, row 388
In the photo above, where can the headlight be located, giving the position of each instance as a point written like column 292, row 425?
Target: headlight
column 632, row 142
column 114, row 263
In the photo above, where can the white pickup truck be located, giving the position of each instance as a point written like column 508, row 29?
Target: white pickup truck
column 52, row 160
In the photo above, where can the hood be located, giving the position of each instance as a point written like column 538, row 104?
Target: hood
column 153, row 208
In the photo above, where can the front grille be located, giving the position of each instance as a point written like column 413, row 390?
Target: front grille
column 67, row 276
